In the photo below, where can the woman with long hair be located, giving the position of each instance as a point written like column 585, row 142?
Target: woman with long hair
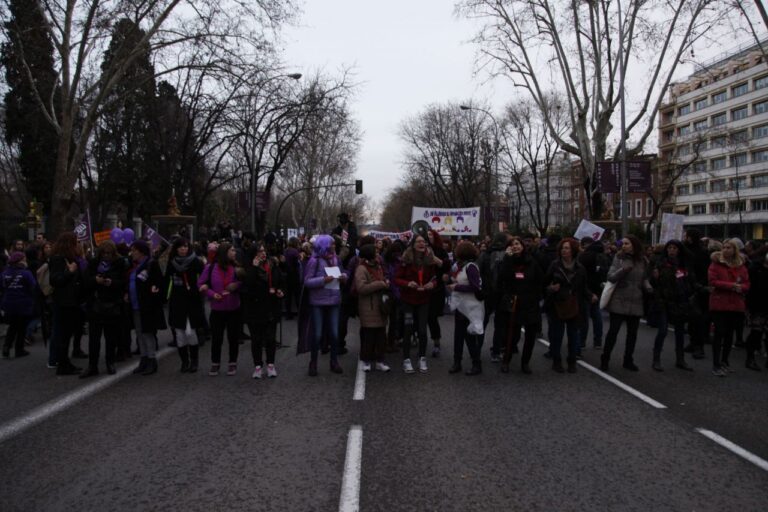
column 105, row 286
column 729, row 285
column 324, row 290
column 566, row 303
column 220, row 284
column 629, row 273
column 185, row 304
column 261, row 295
column 372, row 287
column 416, row 277
column 67, row 281
column 437, row 297
column 469, row 311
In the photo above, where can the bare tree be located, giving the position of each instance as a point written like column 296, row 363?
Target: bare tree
column 574, row 47
column 228, row 32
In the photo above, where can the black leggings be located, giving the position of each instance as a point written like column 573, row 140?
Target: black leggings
column 726, row 323
column 633, row 323
column 263, row 337
column 221, row 321
column 17, row 330
column 111, row 329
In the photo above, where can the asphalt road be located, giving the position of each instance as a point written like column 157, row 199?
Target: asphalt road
column 545, row 441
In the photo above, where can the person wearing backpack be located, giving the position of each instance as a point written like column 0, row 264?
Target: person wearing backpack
column 490, row 263
column 469, row 313
column 18, row 287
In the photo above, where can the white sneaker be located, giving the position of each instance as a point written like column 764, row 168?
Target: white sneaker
column 366, row 366
column 271, row 371
column 407, row 366
column 423, row 364
column 256, row 372
column 382, row 367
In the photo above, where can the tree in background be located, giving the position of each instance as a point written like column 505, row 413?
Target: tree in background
column 27, row 56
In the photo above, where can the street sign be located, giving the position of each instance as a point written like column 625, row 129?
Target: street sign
column 639, row 176
column 609, row 176
column 261, row 201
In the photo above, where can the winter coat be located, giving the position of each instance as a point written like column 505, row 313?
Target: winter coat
column 148, row 274
column 321, row 294
column 596, row 263
column 675, row 288
column 523, row 278
column 185, row 303
column 408, row 272
column 217, row 279
column 757, row 297
column 722, row 277
column 630, row 277
column 260, row 306
column 18, row 287
column 371, row 287
column 68, row 289
column 105, row 301
column 572, row 282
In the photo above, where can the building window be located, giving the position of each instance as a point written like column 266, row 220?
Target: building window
column 684, row 150
column 683, row 190
column 737, row 206
column 684, row 130
column 739, row 90
column 759, row 205
column 760, row 156
column 758, row 132
column 761, row 82
column 738, row 114
column 638, row 207
column 699, row 209
column 718, row 163
column 685, row 109
column 738, row 159
column 718, row 142
column 761, row 107
column 717, row 186
column 716, row 207
column 700, row 188
column 700, row 125
column 700, row 166
column 739, row 183
column 739, row 137
column 648, row 207
column 760, row 180
column 719, row 97
column 667, row 117
column 700, row 104
column 668, row 136
column 719, row 119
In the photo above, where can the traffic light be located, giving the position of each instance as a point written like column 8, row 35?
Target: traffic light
column 358, row 186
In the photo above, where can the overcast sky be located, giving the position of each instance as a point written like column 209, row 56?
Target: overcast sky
column 406, row 54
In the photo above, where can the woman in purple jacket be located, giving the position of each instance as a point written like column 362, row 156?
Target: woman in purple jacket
column 324, row 299
column 18, row 286
column 219, row 283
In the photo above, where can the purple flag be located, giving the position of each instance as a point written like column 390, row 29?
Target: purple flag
column 153, row 236
column 83, row 228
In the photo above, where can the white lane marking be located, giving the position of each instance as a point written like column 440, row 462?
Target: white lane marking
column 57, row 405
column 359, row 382
column 632, row 391
column 732, row 447
column 350, row 484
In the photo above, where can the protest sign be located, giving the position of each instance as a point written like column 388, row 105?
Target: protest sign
column 586, row 228
column 671, row 227
column 449, row 221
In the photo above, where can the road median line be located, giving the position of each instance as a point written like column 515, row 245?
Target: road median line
column 350, row 484
column 734, row 448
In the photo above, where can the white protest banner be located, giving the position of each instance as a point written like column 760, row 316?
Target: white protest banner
column 449, row 221
column 292, row 233
column 586, row 228
column 392, row 235
column 671, row 227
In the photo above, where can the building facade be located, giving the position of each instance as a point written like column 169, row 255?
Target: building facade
column 713, row 139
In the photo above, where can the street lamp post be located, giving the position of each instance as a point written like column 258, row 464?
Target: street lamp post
column 293, row 76
column 488, row 223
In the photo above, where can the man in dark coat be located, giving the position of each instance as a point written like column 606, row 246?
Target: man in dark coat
column 699, row 262
column 145, row 281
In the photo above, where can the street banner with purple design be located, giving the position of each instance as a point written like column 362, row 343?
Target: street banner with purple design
column 153, row 236
column 392, row 235
column 586, row 228
column 449, row 221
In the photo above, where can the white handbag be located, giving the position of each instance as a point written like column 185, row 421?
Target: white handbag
column 605, row 297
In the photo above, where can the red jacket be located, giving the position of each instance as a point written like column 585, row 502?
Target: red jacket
column 722, row 277
column 410, row 272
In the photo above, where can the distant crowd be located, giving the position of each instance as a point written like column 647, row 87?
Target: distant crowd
column 709, row 291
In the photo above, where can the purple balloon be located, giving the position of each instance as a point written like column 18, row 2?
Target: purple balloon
column 128, row 236
column 117, row 235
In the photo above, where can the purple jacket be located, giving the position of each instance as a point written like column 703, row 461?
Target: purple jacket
column 217, row 279
column 314, row 282
column 18, row 285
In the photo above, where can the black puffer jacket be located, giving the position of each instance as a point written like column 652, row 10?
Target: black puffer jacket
column 523, row 278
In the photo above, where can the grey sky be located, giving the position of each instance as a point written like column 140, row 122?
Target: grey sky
column 405, row 54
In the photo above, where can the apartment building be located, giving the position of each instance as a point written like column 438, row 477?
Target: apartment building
column 560, row 194
column 715, row 125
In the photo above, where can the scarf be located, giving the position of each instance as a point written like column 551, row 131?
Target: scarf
column 182, row 264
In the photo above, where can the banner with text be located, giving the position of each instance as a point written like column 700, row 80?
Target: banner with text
column 450, row 221
column 671, row 227
column 392, row 235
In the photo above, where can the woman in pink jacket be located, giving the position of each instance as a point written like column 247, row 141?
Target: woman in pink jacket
column 219, row 283
column 729, row 284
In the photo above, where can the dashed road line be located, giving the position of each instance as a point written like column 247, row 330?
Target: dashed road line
column 734, row 448
column 359, row 382
column 350, row 484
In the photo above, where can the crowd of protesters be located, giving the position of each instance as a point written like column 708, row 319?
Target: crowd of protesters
column 706, row 290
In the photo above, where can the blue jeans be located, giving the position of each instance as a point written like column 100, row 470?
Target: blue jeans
column 679, row 325
column 325, row 319
column 557, row 328
column 596, row 316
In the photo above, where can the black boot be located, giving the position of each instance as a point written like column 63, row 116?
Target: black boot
column 476, row 369
column 557, row 365
column 571, row 365
column 184, row 356
column 456, row 368
column 142, row 366
column 151, row 366
column 91, row 371
column 193, row 358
